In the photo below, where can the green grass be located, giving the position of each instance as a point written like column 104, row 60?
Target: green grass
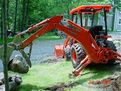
column 41, row 76
column 46, row 75
column 47, row 36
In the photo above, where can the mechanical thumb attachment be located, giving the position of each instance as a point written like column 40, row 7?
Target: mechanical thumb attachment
column 26, row 57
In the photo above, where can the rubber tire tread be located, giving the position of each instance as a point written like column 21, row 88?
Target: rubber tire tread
column 80, row 54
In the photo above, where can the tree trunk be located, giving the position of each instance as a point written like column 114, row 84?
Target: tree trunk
column 15, row 17
column 1, row 22
column 113, row 19
column 114, row 9
column 96, row 19
column 8, row 27
column 23, row 17
column 19, row 16
column 25, row 14
column 68, row 9
column 86, row 22
column 4, row 28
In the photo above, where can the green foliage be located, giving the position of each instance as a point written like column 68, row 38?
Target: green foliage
column 116, row 4
column 42, row 9
column 38, row 11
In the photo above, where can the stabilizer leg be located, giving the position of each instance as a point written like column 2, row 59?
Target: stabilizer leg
column 115, row 55
column 81, row 66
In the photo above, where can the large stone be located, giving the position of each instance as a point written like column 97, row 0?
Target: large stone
column 18, row 64
column 1, row 77
column 14, row 82
column 2, row 87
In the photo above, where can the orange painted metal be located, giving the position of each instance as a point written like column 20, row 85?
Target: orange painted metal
column 103, row 83
column 95, row 53
column 66, row 42
column 96, row 8
column 58, row 51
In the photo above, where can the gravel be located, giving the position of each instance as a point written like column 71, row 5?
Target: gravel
column 41, row 51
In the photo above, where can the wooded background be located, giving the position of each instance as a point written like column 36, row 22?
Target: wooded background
column 23, row 13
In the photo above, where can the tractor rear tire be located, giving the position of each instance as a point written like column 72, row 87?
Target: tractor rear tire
column 112, row 46
column 77, row 54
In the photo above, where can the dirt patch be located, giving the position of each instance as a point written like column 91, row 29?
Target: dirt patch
column 111, row 83
column 52, row 59
column 59, row 87
column 116, row 81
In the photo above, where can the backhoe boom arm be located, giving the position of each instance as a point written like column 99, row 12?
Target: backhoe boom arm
column 78, row 33
column 94, row 53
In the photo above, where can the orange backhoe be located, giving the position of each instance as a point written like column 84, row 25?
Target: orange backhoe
column 95, row 48
column 72, row 49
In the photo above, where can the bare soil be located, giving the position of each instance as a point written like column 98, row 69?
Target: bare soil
column 111, row 83
column 59, row 87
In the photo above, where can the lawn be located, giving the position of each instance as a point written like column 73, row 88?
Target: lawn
column 45, row 75
column 47, row 36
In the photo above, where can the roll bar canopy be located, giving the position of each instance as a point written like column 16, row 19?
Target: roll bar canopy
column 90, row 9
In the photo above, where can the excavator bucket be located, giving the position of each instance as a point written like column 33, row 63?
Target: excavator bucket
column 58, row 51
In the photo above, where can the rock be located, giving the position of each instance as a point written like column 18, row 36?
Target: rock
column 2, row 87
column 18, row 64
column 1, row 75
column 1, row 82
column 14, row 83
column 1, row 78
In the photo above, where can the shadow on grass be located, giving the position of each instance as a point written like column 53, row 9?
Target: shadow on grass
column 99, row 71
column 29, row 87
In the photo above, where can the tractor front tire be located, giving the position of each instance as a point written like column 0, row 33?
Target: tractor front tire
column 67, row 55
column 112, row 46
column 77, row 54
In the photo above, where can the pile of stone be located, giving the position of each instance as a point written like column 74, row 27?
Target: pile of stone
column 14, row 82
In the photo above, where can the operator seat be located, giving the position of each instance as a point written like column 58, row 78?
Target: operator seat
column 96, row 30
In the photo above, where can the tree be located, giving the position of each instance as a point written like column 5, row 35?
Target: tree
column 1, row 27
column 25, row 14
column 8, row 13
column 116, row 4
column 38, row 11
column 15, row 16
column 4, row 28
